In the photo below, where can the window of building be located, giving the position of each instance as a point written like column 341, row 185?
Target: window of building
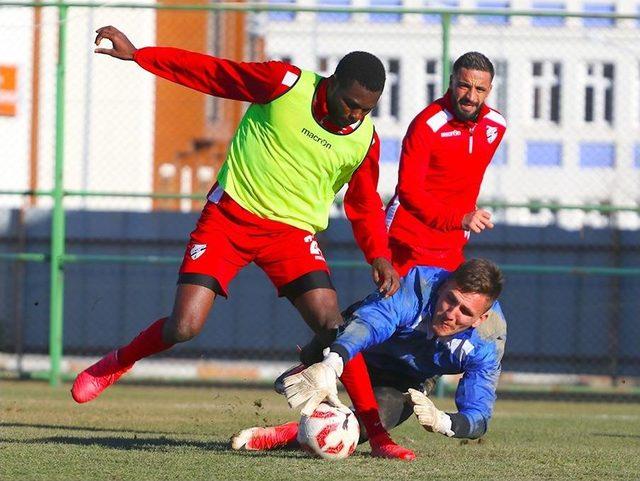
column 597, row 154
column 598, row 93
column 544, row 154
column 389, row 149
column 433, row 80
column 385, row 17
column 547, row 82
column 389, row 104
column 636, row 156
column 434, row 18
column 334, row 16
column 599, row 7
column 493, row 19
column 500, row 156
column 323, row 66
column 548, row 21
column 498, row 96
column 282, row 16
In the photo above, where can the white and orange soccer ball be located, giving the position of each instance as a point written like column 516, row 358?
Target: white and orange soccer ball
column 329, row 432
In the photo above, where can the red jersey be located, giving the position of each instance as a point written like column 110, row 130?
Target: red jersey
column 442, row 164
column 262, row 82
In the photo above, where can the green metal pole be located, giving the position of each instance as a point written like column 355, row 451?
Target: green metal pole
column 58, row 217
column 446, row 59
column 446, row 72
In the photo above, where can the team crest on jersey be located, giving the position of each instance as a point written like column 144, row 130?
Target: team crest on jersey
column 492, row 133
column 197, row 250
column 314, row 248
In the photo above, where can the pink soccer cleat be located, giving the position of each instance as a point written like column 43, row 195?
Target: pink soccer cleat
column 263, row 439
column 384, row 447
column 97, row 377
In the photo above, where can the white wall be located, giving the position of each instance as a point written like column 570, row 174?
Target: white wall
column 109, row 107
column 16, row 50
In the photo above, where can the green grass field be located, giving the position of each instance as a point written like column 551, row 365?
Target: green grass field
column 181, row 433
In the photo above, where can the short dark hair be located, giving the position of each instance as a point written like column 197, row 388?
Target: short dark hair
column 474, row 61
column 363, row 67
column 480, row 276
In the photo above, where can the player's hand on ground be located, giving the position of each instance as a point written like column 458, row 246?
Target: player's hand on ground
column 122, row 46
column 429, row 416
column 477, row 221
column 385, row 276
column 315, row 384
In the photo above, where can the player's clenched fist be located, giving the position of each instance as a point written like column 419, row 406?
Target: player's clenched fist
column 122, row 46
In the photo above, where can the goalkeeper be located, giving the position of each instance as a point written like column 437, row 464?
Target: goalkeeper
column 437, row 323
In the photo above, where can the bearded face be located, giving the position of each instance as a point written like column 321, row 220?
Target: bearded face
column 469, row 90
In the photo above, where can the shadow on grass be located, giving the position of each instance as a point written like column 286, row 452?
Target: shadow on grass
column 609, row 435
column 161, row 443
column 83, row 428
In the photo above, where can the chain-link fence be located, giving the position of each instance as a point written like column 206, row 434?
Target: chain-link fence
column 129, row 157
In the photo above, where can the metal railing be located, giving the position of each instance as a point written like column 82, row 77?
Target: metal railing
column 57, row 256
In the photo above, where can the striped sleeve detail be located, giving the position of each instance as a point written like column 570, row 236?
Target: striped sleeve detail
column 496, row 117
column 437, row 121
column 391, row 211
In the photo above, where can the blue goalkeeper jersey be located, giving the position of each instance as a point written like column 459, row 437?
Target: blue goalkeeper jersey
column 394, row 335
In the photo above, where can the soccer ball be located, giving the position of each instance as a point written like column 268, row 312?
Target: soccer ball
column 329, row 433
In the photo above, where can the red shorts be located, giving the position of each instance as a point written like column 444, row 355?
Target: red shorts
column 227, row 237
column 404, row 257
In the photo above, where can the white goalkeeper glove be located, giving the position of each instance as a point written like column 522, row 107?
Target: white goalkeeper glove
column 315, row 384
column 429, row 416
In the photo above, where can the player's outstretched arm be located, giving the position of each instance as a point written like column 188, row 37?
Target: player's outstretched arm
column 122, row 46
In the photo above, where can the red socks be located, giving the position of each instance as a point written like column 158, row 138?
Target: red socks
column 145, row 344
column 355, row 378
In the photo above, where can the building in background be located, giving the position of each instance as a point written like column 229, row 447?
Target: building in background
column 191, row 140
column 569, row 88
column 125, row 130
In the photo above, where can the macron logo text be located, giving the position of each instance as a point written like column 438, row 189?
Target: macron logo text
column 316, row 138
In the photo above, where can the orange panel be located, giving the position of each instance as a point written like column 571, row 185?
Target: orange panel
column 8, row 86
column 8, row 78
column 8, row 109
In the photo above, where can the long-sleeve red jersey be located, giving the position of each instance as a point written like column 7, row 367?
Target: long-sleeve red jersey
column 262, row 82
column 442, row 165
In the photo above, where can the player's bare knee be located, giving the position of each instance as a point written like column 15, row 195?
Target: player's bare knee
column 182, row 330
column 327, row 320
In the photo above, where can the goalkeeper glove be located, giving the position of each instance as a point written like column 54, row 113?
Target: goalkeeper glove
column 430, row 417
column 315, row 384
